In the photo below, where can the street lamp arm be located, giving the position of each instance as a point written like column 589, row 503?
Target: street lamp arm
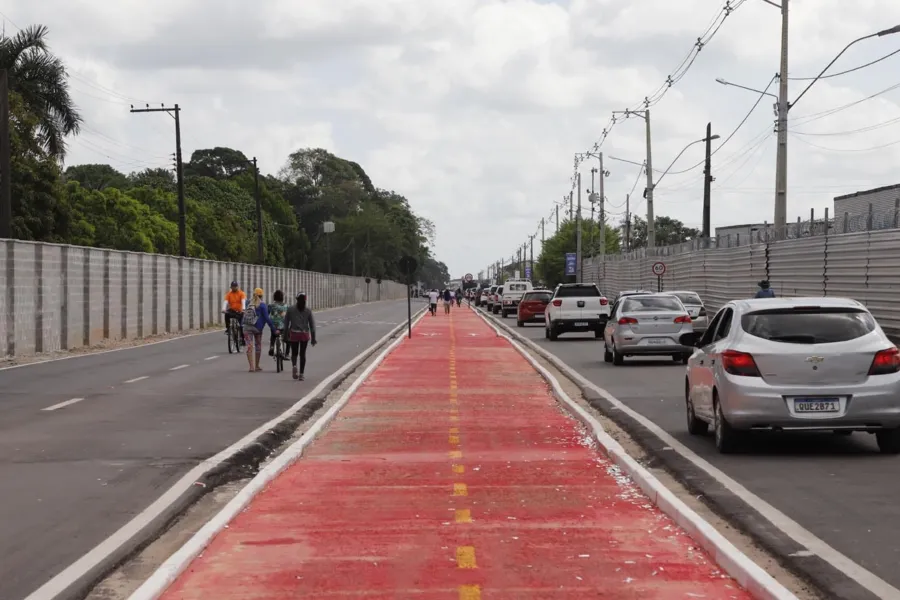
column 683, row 150
column 743, row 87
column 882, row 33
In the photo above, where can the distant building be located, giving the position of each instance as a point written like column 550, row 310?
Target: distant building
column 741, row 233
column 851, row 211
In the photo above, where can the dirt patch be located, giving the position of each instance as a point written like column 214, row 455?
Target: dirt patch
column 743, row 542
column 126, row 578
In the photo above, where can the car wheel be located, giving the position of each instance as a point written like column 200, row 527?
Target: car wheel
column 694, row 425
column 520, row 323
column 598, row 333
column 617, row 358
column 607, row 355
column 554, row 335
column 504, row 313
column 685, row 358
column 546, row 332
column 726, row 436
column 676, row 358
column 888, row 441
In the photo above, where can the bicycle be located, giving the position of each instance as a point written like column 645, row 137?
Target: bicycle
column 279, row 354
column 234, row 334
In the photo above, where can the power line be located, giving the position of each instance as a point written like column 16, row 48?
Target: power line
column 868, row 64
column 803, row 119
column 808, row 143
column 874, row 127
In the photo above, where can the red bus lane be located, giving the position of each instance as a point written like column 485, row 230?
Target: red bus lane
column 453, row 473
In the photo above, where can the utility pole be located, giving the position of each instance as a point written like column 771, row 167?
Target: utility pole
column 579, row 263
column 571, row 213
column 260, row 252
column 651, row 220
column 628, row 221
column 783, row 106
column 707, row 182
column 557, row 218
column 542, row 233
column 179, row 171
column 602, row 211
column 5, row 160
column 531, row 256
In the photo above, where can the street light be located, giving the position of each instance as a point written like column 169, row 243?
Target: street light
column 656, row 183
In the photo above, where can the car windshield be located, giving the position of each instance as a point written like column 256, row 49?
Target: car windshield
column 814, row 325
column 516, row 287
column 689, row 298
column 578, row 291
column 651, row 304
column 536, row 297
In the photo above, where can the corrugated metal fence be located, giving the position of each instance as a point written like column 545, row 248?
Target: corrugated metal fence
column 864, row 266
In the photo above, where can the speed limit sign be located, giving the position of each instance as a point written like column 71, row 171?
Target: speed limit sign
column 659, row 269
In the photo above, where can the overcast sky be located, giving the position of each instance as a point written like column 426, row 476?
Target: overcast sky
column 473, row 109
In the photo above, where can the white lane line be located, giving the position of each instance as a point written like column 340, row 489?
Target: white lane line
column 179, row 367
column 63, row 404
column 211, row 358
column 136, row 379
column 75, row 571
column 782, row 522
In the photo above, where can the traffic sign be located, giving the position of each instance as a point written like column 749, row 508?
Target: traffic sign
column 468, row 277
column 659, row 269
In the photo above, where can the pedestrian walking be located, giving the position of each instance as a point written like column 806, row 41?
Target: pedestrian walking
column 301, row 332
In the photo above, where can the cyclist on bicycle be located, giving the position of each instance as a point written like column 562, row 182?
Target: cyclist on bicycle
column 276, row 311
column 459, row 295
column 233, row 307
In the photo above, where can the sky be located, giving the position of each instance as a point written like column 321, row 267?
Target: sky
column 475, row 109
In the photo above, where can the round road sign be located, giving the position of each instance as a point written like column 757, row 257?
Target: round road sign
column 659, row 269
column 468, row 277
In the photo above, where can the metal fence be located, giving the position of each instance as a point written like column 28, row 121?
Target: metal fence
column 59, row 297
column 863, row 265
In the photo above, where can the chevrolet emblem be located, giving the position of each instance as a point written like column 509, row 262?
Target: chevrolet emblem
column 815, row 359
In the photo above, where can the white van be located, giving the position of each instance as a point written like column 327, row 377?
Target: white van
column 513, row 290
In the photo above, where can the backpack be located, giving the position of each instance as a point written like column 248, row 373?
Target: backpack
column 249, row 315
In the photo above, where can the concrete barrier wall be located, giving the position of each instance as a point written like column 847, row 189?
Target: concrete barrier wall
column 59, row 297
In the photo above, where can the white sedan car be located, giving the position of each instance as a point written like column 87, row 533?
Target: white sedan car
column 794, row 364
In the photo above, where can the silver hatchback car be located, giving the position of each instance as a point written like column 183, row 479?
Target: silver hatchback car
column 647, row 325
column 694, row 304
column 794, row 364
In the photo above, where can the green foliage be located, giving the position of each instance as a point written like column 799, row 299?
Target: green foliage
column 97, row 177
column 668, row 231
column 551, row 265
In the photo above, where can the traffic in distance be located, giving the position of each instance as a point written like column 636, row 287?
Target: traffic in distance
column 762, row 364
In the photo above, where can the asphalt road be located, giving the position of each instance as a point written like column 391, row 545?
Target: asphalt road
column 840, row 489
column 72, row 476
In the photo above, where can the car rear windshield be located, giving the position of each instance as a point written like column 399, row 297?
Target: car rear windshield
column 578, row 291
column 516, row 287
column 651, row 304
column 815, row 325
column 536, row 297
column 689, row 298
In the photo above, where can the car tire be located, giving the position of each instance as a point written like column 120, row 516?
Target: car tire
column 504, row 313
column 554, row 335
column 598, row 333
column 617, row 358
column 685, row 358
column 695, row 426
column 607, row 355
column 888, row 441
column 727, row 438
column 546, row 332
column 520, row 323
column 676, row 358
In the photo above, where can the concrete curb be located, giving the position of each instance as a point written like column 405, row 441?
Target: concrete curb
column 238, row 461
column 176, row 564
column 734, row 562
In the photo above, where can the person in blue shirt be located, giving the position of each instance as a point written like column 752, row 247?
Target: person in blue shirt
column 764, row 290
column 256, row 317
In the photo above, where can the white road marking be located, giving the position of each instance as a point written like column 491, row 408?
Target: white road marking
column 804, row 537
column 211, row 358
column 75, row 571
column 63, row 404
column 136, row 379
column 179, row 367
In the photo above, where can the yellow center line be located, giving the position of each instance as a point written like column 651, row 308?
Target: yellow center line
column 469, row 592
column 455, row 454
column 454, row 440
column 460, row 489
column 459, row 469
column 454, row 430
column 463, row 515
column 465, row 557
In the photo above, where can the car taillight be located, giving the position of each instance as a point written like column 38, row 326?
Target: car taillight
column 628, row 321
column 683, row 319
column 739, row 363
column 603, row 301
column 885, row 362
column 557, row 303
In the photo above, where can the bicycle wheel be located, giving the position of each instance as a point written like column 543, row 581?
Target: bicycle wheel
column 232, row 341
column 279, row 357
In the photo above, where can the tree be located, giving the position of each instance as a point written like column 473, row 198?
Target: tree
column 217, row 163
column 97, row 177
column 668, row 231
column 551, row 264
column 40, row 79
column 158, row 178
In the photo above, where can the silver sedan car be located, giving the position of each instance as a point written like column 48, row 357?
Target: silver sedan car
column 694, row 304
column 647, row 325
column 794, row 364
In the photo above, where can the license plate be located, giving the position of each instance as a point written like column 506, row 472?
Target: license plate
column 657, row 341
column 581, row 324
column 817, row 405
column 538, row 315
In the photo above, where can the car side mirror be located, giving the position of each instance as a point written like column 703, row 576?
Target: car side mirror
column 690, row 339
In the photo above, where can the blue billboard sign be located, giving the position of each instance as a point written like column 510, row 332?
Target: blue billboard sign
column 570, row 263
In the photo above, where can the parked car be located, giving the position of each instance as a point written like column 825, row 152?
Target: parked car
column 498, row 298
column 624, row 293
column 576, row 307
column 489, row 303
column 513, row 290
column 694, row 304
column 482, row 298
column 794, row 364
column 532, row 307
column 647, row 325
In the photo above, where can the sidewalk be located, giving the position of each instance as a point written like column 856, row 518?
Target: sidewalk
column 452, row 473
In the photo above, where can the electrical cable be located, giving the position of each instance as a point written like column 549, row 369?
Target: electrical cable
column 868, row 64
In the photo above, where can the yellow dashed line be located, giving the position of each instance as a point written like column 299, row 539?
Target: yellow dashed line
column 460, row 489
column 454, row 430
column 469, row 592
column 455, row 454
column 463, row 515
column 465, row 557
column 454, row 440
column 459, row 469
column 454, row 418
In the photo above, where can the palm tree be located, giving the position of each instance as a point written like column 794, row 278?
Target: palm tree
column 40, row 79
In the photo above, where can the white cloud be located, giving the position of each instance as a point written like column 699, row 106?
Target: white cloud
column 473, row 109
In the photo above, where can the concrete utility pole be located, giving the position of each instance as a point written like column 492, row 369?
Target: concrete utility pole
column 531, row 255
column 542, row 233
column 5, row 160
column 602, row 210
column 579, row 262
column 628, row 221
column 557, row 218
column 571, row 211
column 783, row 107
column 179, row 171
column 707, row 182
column 651, row 220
